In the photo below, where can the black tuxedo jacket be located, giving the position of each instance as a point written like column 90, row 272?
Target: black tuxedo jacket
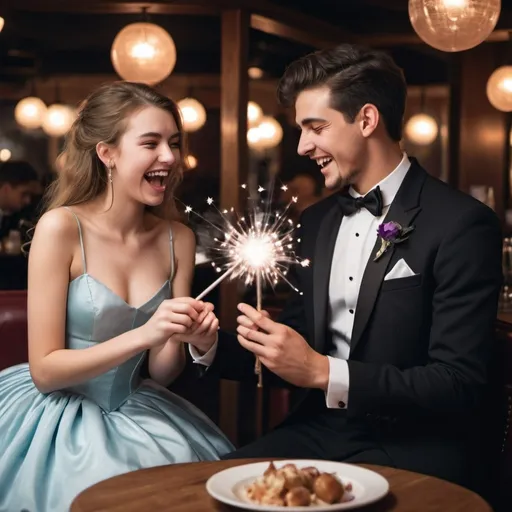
column 421, row 345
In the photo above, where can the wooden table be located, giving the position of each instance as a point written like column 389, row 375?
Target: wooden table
column 181, row 488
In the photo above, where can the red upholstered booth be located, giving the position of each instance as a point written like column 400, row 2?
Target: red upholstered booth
column 13, row 328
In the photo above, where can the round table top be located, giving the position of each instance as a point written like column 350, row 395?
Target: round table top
column 182, row 488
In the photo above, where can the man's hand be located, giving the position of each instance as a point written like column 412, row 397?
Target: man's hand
column 281, row 349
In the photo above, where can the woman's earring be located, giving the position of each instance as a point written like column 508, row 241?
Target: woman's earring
column 110, row 167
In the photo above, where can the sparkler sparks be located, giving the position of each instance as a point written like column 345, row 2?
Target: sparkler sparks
column 259, row 249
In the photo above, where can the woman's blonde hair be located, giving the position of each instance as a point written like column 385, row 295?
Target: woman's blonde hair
column 103, row 117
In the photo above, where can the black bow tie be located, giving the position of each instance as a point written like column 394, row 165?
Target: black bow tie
column 371, row 201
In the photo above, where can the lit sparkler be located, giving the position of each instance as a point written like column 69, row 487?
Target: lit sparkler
column 259, row 249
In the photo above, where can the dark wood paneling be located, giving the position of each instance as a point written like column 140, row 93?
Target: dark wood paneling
column 234, row 163
column 481, row 129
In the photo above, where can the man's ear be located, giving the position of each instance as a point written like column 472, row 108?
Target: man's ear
column 368, row 119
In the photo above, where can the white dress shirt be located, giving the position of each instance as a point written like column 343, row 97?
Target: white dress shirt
column 205, row 359
column 356, row 237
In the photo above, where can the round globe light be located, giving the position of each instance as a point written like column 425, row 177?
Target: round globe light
column 58, row 120
column 421, row 129
column 254, row 113
column 254, row 137
column 454, row 25
column 193, row 114
column 499, row 89
column 143, row 52
column 270, row 132
column 255, row 73
column 191, row 162
column 5, row 155
column 29, row 112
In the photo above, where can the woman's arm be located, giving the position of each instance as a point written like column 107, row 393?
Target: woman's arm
column 167, row 361
column 52, row 366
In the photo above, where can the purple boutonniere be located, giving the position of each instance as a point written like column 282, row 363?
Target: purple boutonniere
column 391, row 233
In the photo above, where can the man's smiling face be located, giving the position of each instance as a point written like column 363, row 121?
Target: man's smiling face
column 337, row 145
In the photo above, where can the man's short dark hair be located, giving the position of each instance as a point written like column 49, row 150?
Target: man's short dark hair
column 355, row 75
column 17, row 172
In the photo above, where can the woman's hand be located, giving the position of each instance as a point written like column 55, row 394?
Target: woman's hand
column 173, row 316
column 203, row 334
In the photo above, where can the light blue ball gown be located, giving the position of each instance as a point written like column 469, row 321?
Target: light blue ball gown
column 53, row 446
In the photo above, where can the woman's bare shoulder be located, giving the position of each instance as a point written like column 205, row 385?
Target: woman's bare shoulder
column 182, row 232
column 57, row 224
column 55, row 238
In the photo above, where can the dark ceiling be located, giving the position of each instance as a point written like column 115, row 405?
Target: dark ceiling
column 49, row 42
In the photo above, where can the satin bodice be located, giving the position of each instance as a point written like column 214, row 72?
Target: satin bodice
column 96, row 314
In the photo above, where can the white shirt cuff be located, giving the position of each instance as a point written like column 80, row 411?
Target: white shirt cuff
column 205, row 359
column 337, row 388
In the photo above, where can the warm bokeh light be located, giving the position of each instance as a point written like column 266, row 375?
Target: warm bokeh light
column 255, row 73
column 29, row 112
column 421, row 129
column 5, row 154
column 143, row 52
column 265, row 135
column 499, row 89
column 270, row 132
column 58, row 120
column 253, row 137
column 191, row 162
column 254, row 113
column 192, row 113
column 2, row 22
column 454, row 25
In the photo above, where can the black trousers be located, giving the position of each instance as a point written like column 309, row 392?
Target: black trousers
column 317, row 433
column 320, row 433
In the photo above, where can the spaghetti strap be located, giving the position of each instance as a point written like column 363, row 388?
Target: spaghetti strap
column 81, row 238
column 172, row 255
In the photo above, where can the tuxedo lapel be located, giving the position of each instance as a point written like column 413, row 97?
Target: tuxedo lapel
column 403, row 210
column 322, row 262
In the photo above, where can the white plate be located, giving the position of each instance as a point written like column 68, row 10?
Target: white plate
column 228, row 486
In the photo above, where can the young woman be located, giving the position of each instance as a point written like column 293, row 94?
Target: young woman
column 109, row 278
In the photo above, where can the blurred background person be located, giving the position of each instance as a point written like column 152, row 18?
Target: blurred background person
column 19, row 187
column 307, row 190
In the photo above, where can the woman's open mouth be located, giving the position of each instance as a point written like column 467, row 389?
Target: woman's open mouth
column 157, row 179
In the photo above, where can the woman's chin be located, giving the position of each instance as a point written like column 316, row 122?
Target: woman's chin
column 154, row 201
column 153, row 195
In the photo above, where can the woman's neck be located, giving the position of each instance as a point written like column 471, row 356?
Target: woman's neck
column 121, row 217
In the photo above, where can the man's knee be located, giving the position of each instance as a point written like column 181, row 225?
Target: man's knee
column 231, row 455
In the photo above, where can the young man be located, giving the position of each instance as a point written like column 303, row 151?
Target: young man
column 391, row 339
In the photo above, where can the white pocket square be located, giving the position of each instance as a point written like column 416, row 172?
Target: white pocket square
column 400, row 270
